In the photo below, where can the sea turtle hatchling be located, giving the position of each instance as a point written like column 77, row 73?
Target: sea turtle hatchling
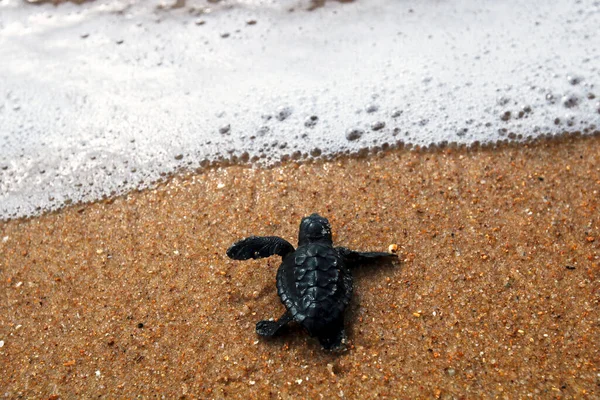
column 313, row 281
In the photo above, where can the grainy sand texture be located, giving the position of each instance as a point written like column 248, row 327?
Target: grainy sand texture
column 496, row 294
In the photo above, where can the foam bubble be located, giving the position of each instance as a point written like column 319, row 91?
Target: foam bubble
column 353, row 134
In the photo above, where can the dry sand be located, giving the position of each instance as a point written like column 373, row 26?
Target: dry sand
column 497, row 294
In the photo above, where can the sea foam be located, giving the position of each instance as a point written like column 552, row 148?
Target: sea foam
column 100, row 98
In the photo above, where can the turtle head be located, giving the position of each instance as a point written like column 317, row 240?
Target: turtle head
column 314, row 228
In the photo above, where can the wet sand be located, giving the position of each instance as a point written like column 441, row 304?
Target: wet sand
column 496, row 295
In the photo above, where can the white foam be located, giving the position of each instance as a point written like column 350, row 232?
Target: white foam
column 104, row 97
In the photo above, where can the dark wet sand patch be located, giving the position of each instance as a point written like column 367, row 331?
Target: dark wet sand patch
column 497, row 293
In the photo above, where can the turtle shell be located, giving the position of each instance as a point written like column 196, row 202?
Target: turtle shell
column 315, row 286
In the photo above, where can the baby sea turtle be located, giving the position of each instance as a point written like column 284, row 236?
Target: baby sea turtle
column 314, row 281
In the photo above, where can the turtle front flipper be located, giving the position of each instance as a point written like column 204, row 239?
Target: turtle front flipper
column 272, row 328
column 259, row 247
column 355, row 258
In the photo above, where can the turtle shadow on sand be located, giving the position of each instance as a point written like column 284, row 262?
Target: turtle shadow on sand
column 375, row 271
column 314, row 281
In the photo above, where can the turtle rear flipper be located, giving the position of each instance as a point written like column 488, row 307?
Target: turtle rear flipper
column 354, row 258
column 335, row 339
column 259, row 247
column 273, row 328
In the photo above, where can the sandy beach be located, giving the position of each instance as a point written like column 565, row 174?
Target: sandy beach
column 496, row 294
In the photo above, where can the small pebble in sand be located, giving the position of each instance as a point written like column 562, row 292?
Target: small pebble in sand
column 98, row 373
column 1, row 343
column 330, row 369
column 393, row 248
column 451, row 371
column 5, row 239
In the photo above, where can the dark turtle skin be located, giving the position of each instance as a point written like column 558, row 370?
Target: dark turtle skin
column 314, row 281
